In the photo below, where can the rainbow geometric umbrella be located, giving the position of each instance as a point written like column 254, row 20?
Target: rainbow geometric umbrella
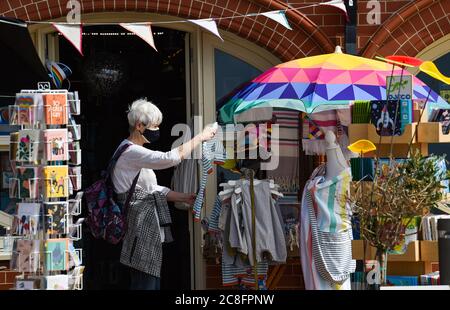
column 320, row 83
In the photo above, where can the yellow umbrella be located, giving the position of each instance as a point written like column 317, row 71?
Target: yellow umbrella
column 430, row 68
column 362, row 147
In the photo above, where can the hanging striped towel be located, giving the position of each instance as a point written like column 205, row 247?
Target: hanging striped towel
column 212, row 151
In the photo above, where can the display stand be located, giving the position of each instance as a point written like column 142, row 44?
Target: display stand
column 47, row 183
column 421, row 256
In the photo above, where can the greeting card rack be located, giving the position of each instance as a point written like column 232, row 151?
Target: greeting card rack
column 46, row 159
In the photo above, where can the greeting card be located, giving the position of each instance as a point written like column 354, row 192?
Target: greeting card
column 23, row 112
column 55, row 109
column 56, row 254
column 56, row 144
column 25, row 256
column 25, row 184
column 56, row 217
column 28, row 145
column 56, row 181
column 386, row 117
column 57, row 282
column 27, row 218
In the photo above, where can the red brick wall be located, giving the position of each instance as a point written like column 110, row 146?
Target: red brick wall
column 408, row 29
column 6, row 277
column 406, row 26
column 365, row 30
column 306, row 39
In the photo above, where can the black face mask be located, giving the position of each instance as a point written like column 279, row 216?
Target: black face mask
column 151, row 135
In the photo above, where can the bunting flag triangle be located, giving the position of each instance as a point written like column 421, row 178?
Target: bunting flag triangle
column 73, row 33
column 207, row 24
column 337, row 4
column 144, row 31
column 279, row 17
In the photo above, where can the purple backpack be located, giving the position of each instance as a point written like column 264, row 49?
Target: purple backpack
column 106, row 218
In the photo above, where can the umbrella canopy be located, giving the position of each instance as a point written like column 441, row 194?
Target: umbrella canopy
column 320, row 83
column 20, row 64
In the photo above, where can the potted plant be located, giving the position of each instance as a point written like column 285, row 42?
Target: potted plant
column 400, row 192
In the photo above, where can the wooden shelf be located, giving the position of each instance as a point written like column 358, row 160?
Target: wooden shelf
column 429, row 251
column 412, row 253
column 401, row 143
column 431, row 133
column 424, row 251
column 369, row 132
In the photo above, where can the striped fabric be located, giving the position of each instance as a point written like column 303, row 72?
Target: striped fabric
column 316, row 125
column 215, row 215
column 288, row 141
column 325, row 232
column 332, row 252
column 212, row 151
column 334, row 213
column 232, row 274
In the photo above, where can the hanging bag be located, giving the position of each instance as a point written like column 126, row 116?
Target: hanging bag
column 106, row 218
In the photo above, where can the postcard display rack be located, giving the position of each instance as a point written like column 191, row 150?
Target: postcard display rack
column 46, row 158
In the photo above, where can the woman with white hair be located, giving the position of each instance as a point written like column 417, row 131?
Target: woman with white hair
column 142, row 245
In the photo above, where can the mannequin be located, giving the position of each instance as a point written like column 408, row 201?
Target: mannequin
column 336, row 162
column 325, row 228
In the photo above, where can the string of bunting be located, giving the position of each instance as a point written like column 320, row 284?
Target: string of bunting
column 73, row 32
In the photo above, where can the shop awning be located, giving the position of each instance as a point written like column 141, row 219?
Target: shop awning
column 20, row 66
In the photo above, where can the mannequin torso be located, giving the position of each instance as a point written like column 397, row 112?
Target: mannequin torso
column 336, row 162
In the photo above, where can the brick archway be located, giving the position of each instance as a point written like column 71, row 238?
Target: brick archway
column 306, row 39
column 410, row 30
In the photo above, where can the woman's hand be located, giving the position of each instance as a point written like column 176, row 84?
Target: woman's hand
column 208, row 133
column 188, row 198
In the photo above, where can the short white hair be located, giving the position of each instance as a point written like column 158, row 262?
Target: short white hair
column 145, row 112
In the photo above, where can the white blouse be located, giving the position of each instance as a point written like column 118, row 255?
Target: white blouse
column 138, row 158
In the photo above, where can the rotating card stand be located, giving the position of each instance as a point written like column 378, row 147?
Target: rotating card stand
column 75, row 180
column 75, row 206
column 75, row 130
column 78, row 282
column 40, row 263
column 75, row 157
column 74, row 106
column 76, row 232
column 34, row 115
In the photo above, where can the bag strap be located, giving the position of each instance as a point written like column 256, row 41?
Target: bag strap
column 114, row 159
column 130, row 193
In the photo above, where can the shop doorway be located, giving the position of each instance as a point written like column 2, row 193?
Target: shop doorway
column 117, row 68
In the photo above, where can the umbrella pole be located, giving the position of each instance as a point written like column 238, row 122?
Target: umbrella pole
column 395, row 119
column 418, row 122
